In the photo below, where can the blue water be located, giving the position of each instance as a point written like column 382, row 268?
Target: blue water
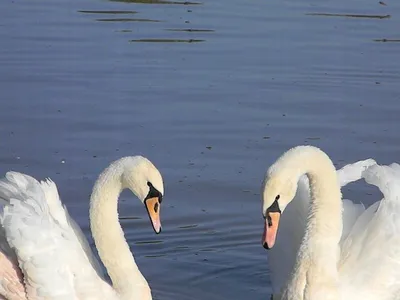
column 212, row 93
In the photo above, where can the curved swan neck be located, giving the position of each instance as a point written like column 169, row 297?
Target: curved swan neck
column 109, row 238
column 326, row 204
column 319, row 253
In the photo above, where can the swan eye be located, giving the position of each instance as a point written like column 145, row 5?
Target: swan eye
column 277, row 198
column 269, row 219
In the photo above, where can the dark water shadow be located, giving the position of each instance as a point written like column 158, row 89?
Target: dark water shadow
column 154, row 256
column 149, row 242
column 387, row 40
column 158, row 2
column 188, row 226
column 350, row 15
column 124, row 31
column 189, row 30
column 166, row 41
column 129, row 218
column 109, row 12
column 127, row 20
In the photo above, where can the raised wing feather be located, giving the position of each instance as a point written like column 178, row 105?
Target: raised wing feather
column 60, row 213
column 50, row 255
column 370, row 260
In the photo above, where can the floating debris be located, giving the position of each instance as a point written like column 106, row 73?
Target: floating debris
column 350, row 15
column 387, row 40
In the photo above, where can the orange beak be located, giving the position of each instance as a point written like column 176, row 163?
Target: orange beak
column 270, row 229
column 153, row 209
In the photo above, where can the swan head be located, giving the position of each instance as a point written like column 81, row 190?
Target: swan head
column 145, row 181
column 279, row 189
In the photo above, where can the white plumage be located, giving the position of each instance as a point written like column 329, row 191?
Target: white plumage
column 368, row 241
column 40, row 239
column 281, row 257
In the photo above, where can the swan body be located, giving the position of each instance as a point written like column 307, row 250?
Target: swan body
column 345, row 250
column 281, row 258
column 44, row 253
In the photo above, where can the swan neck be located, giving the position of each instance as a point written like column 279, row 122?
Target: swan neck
column 325, row 215
column 109, row 238
column 326, row 197
column 319, row 252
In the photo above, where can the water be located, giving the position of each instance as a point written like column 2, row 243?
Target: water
column 212, row 92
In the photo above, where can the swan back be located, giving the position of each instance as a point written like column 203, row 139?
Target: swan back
column 52, row 259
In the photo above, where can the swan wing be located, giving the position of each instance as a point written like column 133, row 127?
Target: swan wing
column 60, row 213
column 11, row 283
column 369, row 266
column 353, row 172
column 53, row 262
column 281, row 258
column 352, row 211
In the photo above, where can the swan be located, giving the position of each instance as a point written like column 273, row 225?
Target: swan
column 44, row 253
column 281, row 257
column 340, row 255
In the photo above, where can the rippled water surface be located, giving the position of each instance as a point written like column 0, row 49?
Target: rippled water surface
column 212, row 92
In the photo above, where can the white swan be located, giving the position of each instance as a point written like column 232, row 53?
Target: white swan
column 45, row 255
column 282, row 256
column 339, row 257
